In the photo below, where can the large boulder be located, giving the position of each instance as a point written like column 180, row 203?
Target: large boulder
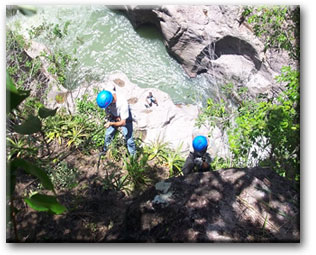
column 212, row 40
column 233, row 205
column 168, row 122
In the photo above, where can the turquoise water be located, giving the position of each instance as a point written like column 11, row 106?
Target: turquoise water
column 104, row 42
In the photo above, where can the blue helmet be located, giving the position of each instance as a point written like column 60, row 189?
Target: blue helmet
column 104, row 99
column 200, row 143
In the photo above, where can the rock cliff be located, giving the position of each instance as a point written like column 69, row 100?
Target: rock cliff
column 231, row 205
column 210, row 39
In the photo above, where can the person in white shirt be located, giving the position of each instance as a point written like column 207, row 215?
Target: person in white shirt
column 119, row 115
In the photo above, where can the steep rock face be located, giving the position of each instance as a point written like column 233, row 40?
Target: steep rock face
column 233, row 205
column 209, row 39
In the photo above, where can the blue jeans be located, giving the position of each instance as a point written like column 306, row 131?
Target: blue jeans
column 127, row 131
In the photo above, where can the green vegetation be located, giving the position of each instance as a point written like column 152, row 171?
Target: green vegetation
column 136, row 168
column 64, row 176
column 264, row 131
column 117, row 182
column 60, row 65
column 278, row 26
column 34, row 131
column 21, row 68
column 25, row 161
column 174, row 160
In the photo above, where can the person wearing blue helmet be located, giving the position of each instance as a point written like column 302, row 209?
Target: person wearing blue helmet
column 104, row 99
column 118, row 115
column 198, row 160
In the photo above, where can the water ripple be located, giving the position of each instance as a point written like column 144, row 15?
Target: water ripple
column 106, row 42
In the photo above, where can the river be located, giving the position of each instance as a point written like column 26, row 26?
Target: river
column 105, row 42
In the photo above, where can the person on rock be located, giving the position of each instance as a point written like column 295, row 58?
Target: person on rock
column 199, row 160
column 118, row 115
column 150, row 99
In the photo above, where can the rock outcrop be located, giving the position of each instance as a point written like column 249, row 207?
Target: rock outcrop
column 210, row 39
column 204, row 39
column 167, row 122
column 233, row 205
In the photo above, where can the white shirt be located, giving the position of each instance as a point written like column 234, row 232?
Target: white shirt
column 120, row 108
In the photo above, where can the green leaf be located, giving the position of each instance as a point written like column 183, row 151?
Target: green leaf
column 14, row 96
column 45, row 203
column 31, row 125
column 33, row 170
column 45, row 112
column 10, row 85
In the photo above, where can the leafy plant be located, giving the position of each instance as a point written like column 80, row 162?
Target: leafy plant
column 63, row 176
column 117, row 148
column 60, row 64
column 41, row 202
column 215, row 114
column 45, row 203
column 54, row 128
column 86, row 106
column 278, row 26
column 117, row 182
column 14, row 96
column 49, row 31
column 174, row 161
column 87, row 110
column 221, row 163
column 23, row 70
column 75, row 136
column 18, row 147
column 136, row 167
column 264, row 132
column 156, row 150
column 73, row 130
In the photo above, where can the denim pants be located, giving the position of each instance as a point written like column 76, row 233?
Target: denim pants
column 127, row 131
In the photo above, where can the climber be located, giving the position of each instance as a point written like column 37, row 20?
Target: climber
column 118, row 115
column 150, row 99
column 198, row 160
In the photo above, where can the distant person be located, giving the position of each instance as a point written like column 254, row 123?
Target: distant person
column 119, row 115
column 150, row 99
column 198, row 160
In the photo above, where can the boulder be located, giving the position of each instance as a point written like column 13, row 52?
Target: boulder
column 232, row 205
column 167, row 122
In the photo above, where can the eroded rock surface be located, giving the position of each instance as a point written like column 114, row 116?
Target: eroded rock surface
column 211, row 39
